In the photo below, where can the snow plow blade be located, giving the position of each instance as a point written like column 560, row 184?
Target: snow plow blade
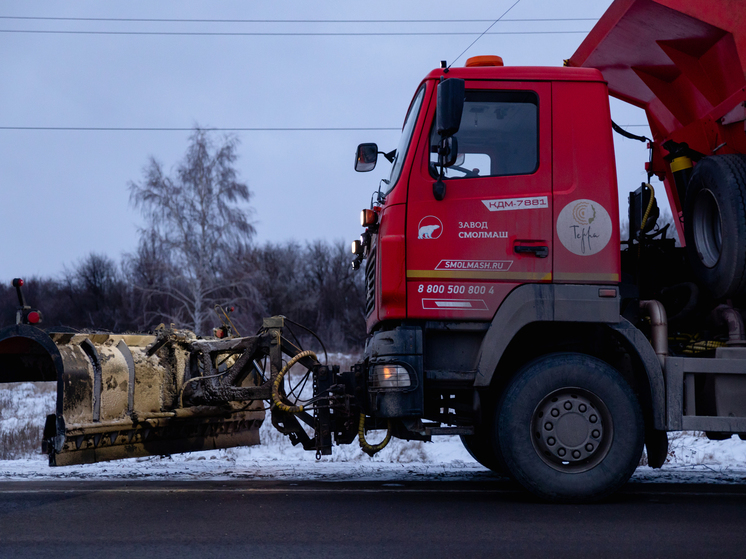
column 123, row 396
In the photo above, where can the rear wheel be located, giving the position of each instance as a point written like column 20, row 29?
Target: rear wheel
column 570, row 428
column 715, row 224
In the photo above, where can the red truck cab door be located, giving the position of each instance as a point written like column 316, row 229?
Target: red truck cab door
column 493, row 230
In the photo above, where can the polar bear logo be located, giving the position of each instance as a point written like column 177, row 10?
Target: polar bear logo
column 429, row 227
column 426, row 231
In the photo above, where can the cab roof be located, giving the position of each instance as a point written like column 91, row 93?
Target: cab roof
column 520, row 73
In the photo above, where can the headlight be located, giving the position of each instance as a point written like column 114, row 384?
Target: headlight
column 386, row 377
column 368, row 218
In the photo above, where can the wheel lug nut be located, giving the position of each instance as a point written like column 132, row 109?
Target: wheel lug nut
column 593, row 418
column 582, row 408
column 561, row 452
column 589, row 447
column 551, row 441
column 568, row 405
column 596, row 433
column 548, row 426
column 576, row 454
column 555, row 412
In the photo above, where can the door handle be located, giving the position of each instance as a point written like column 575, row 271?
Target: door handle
column 540, row 251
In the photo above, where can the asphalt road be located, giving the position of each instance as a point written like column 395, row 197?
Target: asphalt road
column 60, row 519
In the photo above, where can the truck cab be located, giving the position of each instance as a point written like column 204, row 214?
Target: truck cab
column 503, row 303
column 531, row 198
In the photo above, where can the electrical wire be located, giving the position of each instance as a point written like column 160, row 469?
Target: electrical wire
column 326, row 356
column 297, row 341
column 181, row 20
column 191, row 129
column 289, row 34
column 485, row 32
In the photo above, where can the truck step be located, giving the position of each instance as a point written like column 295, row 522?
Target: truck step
column 437, row 430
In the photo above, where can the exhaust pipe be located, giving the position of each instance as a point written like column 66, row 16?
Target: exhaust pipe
column 659, row 328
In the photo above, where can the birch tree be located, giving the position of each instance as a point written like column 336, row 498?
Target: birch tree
column 199, row 217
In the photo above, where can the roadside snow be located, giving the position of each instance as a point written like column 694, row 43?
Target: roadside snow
column 692, row 459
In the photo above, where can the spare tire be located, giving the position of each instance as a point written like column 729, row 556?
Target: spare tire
column 715, row 224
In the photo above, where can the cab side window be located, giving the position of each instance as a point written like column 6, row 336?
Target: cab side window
column 499, row 135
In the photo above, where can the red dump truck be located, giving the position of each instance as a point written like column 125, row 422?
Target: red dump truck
column 503, row 304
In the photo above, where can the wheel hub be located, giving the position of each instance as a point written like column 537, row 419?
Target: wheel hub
column 571, row 430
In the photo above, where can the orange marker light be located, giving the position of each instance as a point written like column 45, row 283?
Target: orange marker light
column 488, row 60
column 368, row 218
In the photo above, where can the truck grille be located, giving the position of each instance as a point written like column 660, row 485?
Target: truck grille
column 370, row 283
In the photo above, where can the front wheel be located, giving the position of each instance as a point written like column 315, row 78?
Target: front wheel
column 570, row 428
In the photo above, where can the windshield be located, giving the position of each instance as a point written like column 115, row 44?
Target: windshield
column 406, row 137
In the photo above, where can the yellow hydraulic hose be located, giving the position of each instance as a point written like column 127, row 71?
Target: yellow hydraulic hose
column 368, row 448
column 278, row 382
column 645, row 217
column 650, row 205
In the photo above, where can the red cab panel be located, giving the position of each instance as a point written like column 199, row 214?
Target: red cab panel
column 586, row 207
column 493, row 229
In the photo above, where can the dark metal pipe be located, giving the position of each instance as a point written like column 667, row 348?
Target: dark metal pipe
column 659, row 328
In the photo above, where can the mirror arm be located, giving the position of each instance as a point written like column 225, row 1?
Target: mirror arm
column 390, row 155
column 439, row 187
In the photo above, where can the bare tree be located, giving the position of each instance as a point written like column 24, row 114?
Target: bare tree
column 199, row 217
column 96, row 294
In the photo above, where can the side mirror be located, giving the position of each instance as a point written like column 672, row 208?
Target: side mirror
column 366, row 157
column 450, row 106
column 448, row 152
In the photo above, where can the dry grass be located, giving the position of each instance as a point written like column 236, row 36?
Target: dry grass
column 23, row 410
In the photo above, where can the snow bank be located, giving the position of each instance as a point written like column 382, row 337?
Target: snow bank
column 692, row 459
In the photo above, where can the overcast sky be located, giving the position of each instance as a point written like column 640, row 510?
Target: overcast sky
column 64, row 193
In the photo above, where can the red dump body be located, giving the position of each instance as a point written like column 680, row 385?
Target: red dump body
column 681, row 61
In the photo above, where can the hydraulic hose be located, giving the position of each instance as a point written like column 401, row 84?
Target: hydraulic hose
column 650, row 206
column 278, row 382
column 619, row 130
column 368, row 448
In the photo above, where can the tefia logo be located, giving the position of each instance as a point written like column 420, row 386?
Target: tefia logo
column 584, row 227
column 430, row 227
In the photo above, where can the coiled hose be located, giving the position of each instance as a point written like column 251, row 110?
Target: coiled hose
column 278, row 382
column 368, row 448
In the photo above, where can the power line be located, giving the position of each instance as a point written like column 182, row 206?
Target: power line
column 484, row 33
column 174, row 20
column 191, row 129
column 284, row 34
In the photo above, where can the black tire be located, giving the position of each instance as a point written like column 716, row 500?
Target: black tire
column 483, row 447
column 570, row 428
column 715, row 224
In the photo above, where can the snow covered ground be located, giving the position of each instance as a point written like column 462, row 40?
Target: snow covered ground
column 692, row 459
